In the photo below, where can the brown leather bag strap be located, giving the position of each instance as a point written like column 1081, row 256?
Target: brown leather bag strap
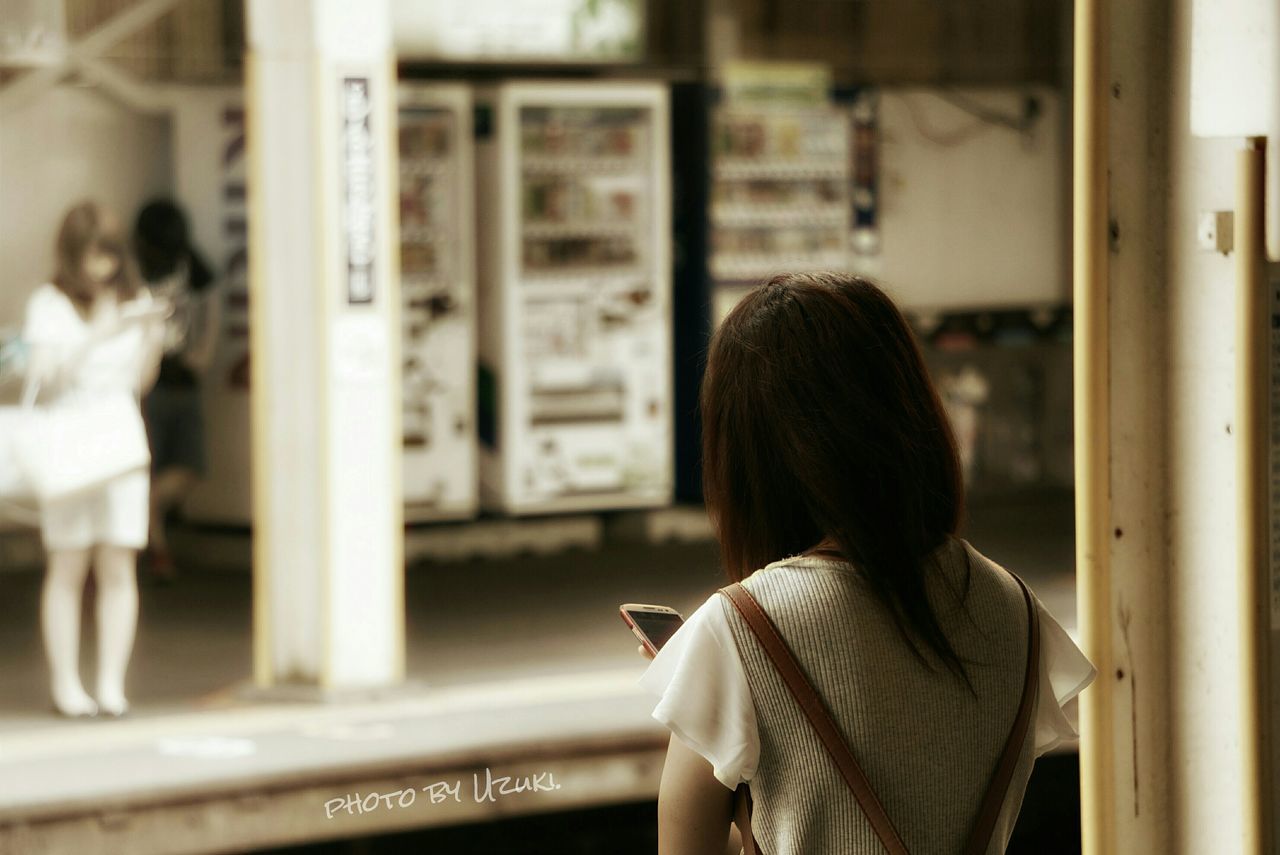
column 814, row 709
column 993, row 801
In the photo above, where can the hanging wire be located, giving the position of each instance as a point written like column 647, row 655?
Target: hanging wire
column 983, row 118
column 1022, row 123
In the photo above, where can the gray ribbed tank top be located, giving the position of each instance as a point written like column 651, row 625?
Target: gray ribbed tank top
column 926, row 745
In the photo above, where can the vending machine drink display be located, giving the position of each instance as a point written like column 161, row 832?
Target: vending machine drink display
column 437, row 284
column 575, row 397
column 780, row 198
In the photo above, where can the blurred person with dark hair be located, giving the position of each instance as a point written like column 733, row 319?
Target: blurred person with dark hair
column 173, row 269
column 833, row 485
column 93, row 333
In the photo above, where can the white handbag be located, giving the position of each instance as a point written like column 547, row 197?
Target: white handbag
column 66, row 448
column 17, row 499
column 13, row 482
column 72, row 445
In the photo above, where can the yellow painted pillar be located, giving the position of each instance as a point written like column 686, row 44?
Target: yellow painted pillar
column 1092, row 423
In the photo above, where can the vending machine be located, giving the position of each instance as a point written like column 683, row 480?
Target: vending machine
column 574, row 230
column 780, row 195
column 438, row 289
column 437, row 285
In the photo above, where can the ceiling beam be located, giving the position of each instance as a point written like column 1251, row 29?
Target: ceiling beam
column 90, row 47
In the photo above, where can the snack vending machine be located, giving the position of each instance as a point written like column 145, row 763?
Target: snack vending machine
column 574, row 228
column 437, row 284
column 780, row 196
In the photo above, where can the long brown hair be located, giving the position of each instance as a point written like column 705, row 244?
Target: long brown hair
column 85, row 226
column 820, row 421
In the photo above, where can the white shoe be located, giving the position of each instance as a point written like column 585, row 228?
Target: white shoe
column 112, row 704
column 74, row 702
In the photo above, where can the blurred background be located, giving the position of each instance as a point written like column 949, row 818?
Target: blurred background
column 567, row 195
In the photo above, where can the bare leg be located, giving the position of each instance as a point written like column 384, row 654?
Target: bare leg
column 60, row 621
column 116, row 573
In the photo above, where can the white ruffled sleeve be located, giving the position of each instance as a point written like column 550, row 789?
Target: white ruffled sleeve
column 50, row 318
column 705, row 698
column 51, row 331
column 1064, row 673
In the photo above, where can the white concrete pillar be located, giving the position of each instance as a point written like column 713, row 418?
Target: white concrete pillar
column 324, row 318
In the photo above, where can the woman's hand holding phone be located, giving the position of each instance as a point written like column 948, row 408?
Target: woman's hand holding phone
column 158, row 310
column 653, row 625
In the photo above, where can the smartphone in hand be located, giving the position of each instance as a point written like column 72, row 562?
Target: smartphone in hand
column 653, row 625
column 159, row 310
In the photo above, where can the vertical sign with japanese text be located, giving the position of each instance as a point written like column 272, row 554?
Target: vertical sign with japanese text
column 359, row 190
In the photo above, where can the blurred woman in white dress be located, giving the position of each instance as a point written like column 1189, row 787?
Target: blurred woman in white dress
column 92, row 331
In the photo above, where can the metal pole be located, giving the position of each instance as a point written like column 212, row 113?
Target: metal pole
column 1252, row 385
column 1092, row 425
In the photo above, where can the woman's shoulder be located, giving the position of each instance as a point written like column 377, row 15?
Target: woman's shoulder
column 1063, row 669
column 811, row 581
column 797, row 576
column 802, row 589
column 987, row 572
column 49, row 304
column 47, row 293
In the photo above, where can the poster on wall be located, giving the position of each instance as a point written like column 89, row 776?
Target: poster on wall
column 505, row 30
column 777, row 84
column 210, row 168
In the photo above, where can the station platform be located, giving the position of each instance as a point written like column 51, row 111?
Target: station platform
column 520, row 669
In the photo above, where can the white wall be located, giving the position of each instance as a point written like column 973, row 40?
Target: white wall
column 1203, row 548
column 972, row 214
column 68, row 144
